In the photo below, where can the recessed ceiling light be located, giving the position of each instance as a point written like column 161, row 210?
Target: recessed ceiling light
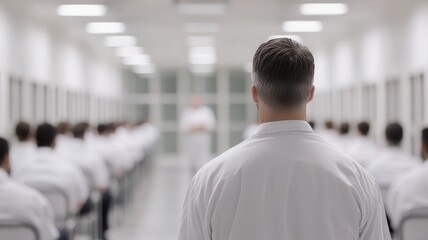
column 323, row 8
column 302, row 26
column 137, row 60
column 294, row 37
column 203, row 27
column 129, row 51
column 201, row 9
column 202, row 55
column 199, row 41
column 202, row 69
column 119, row 41
column 105, row 27
column 82, row 10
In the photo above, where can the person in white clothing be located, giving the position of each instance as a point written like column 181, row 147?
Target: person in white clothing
column 197, row 121
column 392, row 162
column 363, row 149
column 284, row 182
column 21, row 204
column 410, row 191
column 23, row 150
column 48, row 169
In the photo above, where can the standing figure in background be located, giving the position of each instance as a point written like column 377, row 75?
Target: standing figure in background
column 196, row 122
column 23, row 150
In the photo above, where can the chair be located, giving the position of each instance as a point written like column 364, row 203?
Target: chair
column 414, row 225
column 15, row 230
column 58, row 198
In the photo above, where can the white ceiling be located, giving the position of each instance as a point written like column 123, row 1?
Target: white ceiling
column 245, row 24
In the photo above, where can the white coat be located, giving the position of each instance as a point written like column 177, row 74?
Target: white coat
column 19, row 203
column 20, row 153
column 407, row 193
column 284, row 183
column 48, row 168
column 198, row 143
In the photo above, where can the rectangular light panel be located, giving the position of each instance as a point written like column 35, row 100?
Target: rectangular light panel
column 120, row 41
column 82, row 10
column 302, row 26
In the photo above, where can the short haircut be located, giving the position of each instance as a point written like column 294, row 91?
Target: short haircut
column 425, row 138
column 344, row 128
column 312, row 123
column 63, row 128
column 283, row 73
column 329, row 125
column 23, row 131
column 79, row 129
column 394, row 133
column 45, row 135
column 4, row 150
column 364, row 128
column 102, row 128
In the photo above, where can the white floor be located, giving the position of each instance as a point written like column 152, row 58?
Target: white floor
column 156, row 210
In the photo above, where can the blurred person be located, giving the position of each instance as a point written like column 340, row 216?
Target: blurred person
column 284, row 182
column 392, row 162
column 363, row 149
column 21, row 204
column 328, row 132
column 197, row 121
column 92, row 165
column 48, row 169
column 312, row 124
column 63, row 136
column 410, row 191
column 24, row 149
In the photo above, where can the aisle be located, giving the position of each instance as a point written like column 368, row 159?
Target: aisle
column 156, row 212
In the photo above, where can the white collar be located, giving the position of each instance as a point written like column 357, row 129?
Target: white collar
column 3, row 175
column 284, row 126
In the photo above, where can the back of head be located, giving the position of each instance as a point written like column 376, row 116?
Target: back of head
column 364, row 128
column 102, row 129
column 4, row 151
column 23, row 131
column 425, row 140
column 80, row 129
column 63, row 128
column 283, row 73
column 329, row 125
column 45, row 135
column 394, row 134
column 344, row 129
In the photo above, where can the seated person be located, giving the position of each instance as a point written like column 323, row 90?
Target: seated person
column 392, row 162
column 24, row 149
column 363, row 149
column 410, row 191
column 47, row 169
column 19, row 203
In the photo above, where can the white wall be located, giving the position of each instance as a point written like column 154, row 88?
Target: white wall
column 42, row 51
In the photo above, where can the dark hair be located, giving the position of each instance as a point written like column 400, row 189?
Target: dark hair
column 312, row 123
column 394, row 133
column 283, row 72
column 329, row 124
column 344, row 128
column 63, row 128
column 4, row 150
column 23, row 131
column 45, row 135
column 364, row 128
column 102, row 128
column 425, row 138
column 79, row 129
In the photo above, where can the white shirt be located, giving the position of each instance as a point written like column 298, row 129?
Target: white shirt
column 19, row 203
column 197, row 117
column 20, row 153
column 284, row 183
column 363, row 150
column 407, row 193
column 391, row 164
column 250, row 130
column 48, row 169
column 76, row 152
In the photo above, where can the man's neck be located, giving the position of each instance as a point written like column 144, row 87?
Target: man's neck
column 272, row 115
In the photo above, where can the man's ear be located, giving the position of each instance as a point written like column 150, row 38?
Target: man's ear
column 311, row 94
column 254, row 94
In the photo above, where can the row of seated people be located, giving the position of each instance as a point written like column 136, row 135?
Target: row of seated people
column 76, row 161
column 402, row 177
